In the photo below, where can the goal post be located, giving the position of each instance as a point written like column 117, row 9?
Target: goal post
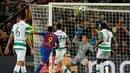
column 88, row 16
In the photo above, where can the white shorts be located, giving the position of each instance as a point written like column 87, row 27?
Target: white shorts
column 103, row 54
column 20, row 54
column 60, row 55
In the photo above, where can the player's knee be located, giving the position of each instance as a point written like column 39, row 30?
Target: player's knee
column 60, row 63
column 43, row 63
column 20, row 63
column 85, row 63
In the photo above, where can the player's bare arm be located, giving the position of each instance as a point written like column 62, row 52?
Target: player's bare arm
column 69, row 43
column 8, row 44
column 30, row 44
column 116, row 44
column 34, row 32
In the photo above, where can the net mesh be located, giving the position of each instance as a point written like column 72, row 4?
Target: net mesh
column 39, row 24
column 72, row 17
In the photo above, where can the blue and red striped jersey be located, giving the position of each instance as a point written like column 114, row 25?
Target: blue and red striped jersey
column 49, row 40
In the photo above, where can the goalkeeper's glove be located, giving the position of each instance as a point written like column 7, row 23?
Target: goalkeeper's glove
column 79, row 31
column 93, row 41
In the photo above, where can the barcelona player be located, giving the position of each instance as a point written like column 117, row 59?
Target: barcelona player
column 48, row 44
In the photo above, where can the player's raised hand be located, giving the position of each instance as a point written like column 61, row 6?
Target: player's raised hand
column 7, row 51
column 79, row 31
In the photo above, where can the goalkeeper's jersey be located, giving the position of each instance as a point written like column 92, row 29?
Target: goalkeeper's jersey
column 107, row 38
column 19, row 31
column 62, row 38
column 83, row 48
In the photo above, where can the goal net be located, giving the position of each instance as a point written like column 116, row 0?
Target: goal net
column 88, row 16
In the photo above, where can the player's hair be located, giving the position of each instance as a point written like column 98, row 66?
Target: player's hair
column 104, row 25
column 50, row 29
column 59, row 26
column 87, row 35
column 22, row 15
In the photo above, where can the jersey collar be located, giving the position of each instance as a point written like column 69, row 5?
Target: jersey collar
column 21, row 21
column 58, row 30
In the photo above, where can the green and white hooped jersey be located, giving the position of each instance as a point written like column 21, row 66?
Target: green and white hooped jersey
column 107, row 37
column 62, row 38
column 19, row 31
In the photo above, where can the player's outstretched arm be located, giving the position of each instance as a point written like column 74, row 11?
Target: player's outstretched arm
column 34, row 32
column 75, row 40
column 115, row 42
column 8, row 44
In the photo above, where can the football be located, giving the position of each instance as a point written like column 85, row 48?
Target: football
column 82, row 8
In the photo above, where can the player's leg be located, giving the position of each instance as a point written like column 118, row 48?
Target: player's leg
column 59, row 57
column 106, row 56
column 85, row 63
column 73, row 62
column 56, row 59
column 100, row 56
column 45, row 58
column 22, row 59
column 98, row 65
column 64, row 68
column 17, row 66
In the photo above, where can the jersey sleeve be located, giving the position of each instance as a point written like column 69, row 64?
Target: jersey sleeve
column 100, row 35
column 75, row 40
column 27, row 31
column 12, row 31
column 91, row 48
column 57, row 40
column 42, row 33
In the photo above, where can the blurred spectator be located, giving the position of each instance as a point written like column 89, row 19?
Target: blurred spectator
column 4, row 41
column 68, row 0
column 122, row 36
column 1, row 52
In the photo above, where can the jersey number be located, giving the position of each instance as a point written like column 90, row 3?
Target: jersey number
column 108, row 38
column 61, row 38
column 17, row 32
column 50, row 40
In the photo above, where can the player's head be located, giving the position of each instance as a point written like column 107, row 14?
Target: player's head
column 85, row 38
column 50, row 29
column 59, row 26
column 22, row 15
column 104, row 25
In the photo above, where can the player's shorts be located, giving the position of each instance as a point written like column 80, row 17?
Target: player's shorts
column 45, row 54
column 103, row 54
column 78, row 60
column 20, row 54
column 60, row 55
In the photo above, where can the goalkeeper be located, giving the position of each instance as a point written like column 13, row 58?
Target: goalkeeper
column 84, row 48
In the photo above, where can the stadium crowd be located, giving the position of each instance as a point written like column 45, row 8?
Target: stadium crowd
column 69, row 20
